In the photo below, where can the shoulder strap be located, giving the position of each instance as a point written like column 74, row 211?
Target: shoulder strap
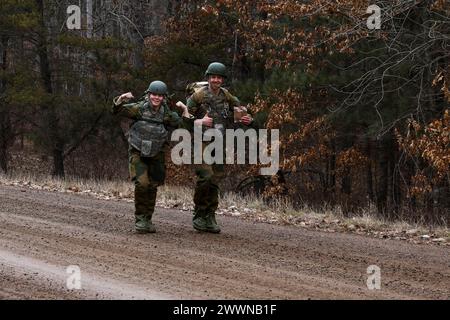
column 166, row 109
column 228, row 95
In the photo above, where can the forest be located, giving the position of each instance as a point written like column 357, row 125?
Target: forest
column 359, row 90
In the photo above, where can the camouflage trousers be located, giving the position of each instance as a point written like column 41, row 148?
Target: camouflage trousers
column 147, row 174
column 206, row 196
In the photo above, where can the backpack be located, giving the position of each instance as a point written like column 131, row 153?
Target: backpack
column 193, row 87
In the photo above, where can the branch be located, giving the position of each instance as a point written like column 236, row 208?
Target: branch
column 84, row 136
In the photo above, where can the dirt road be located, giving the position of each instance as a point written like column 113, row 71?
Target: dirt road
column 43, row 233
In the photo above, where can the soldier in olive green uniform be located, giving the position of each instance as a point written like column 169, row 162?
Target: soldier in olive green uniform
column 212, row 106
column 148, row 140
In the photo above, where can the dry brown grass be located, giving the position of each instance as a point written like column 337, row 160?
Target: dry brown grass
column 248, row 207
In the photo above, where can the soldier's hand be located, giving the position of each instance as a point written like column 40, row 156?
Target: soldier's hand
column 181, row 105
column 126, row 96
column 207, row 121
column 184, row 108
column 246, row 120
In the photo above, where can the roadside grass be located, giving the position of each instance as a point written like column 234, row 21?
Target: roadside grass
column 249, row 207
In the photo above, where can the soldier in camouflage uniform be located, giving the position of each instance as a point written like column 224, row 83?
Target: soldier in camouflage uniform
column 212, row 106
column 148, row 141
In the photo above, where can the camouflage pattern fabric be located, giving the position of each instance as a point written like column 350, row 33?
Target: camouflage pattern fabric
column 219, row 107
column 136, row 111
column 206, row 197
column 149, row 134
column 147, row 173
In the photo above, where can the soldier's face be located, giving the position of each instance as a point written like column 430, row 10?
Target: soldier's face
column 155, row 99
column 215, row 81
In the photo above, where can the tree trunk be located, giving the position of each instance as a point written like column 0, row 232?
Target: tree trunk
column 330, row 190
column 58, row 163
column 5, row 121
column 369, row 179
column 5, row 137
column 3, row 158
column 382, row 187
column 52, row 121
column 89, row 20
column 347, row 202
column 333, row 170
column 386, row 186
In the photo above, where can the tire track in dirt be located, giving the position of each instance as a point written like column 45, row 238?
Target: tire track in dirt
column 41, row 233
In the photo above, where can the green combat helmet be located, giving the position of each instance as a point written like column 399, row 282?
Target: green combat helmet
column 157, row 87
column 216, row 68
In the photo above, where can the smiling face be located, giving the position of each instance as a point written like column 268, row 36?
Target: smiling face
column 215, row 82
column 155, row 99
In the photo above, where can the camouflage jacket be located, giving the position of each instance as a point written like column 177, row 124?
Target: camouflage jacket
column 135, row 111
column 149, row 131
column 219, row 107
